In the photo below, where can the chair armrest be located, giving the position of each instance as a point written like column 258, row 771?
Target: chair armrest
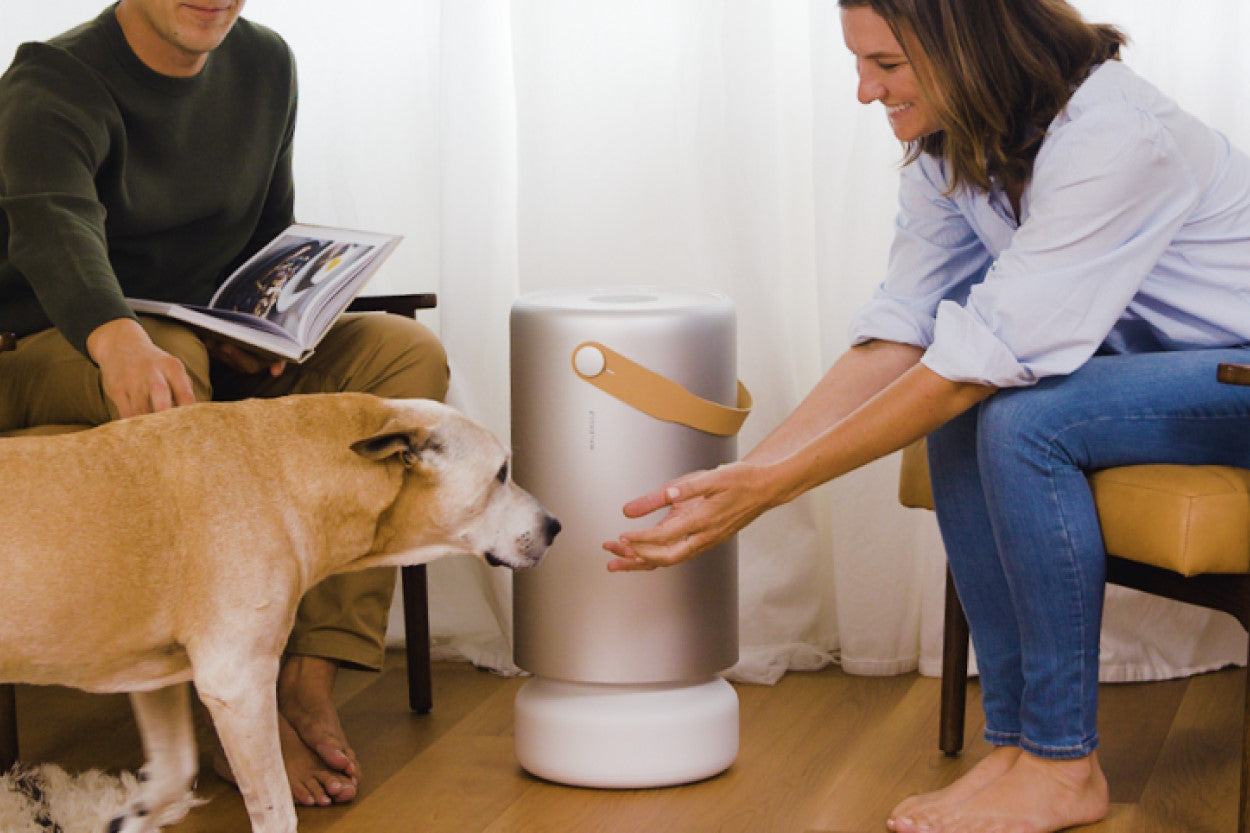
column 406, row 305
column 1233, row 373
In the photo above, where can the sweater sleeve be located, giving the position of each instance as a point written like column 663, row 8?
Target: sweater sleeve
column 55, row 127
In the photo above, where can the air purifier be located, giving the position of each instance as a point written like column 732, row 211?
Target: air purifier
column 616, row 391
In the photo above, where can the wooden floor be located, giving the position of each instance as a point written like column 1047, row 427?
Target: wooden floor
column 820, row 752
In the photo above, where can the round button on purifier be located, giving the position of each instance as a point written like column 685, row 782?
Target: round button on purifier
column 626, row 689
column 589, row 361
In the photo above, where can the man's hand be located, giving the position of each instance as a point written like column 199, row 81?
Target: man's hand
column 138, row 376
column 236, row 357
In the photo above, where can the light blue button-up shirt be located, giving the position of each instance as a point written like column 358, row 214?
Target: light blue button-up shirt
column 1134, row 236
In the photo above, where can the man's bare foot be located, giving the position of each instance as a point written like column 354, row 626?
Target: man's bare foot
column 305, row 702
column 1038, row 795
column 312, row 782
column 905, row 818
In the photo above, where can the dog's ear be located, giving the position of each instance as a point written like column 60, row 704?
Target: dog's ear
column 411, row 445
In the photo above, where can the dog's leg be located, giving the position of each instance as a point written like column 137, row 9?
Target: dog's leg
column 244, row 705
column 164, row 718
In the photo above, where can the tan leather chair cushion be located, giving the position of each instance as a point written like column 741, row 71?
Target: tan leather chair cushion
column 1189, row 519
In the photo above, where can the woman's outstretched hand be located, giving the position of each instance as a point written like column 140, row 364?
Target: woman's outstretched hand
column 874, row 400
column 706, row 508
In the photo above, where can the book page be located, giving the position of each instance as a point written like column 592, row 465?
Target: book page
column 282, row 283
column 284, row 298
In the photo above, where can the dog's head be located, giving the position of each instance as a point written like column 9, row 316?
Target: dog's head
column 457, row 489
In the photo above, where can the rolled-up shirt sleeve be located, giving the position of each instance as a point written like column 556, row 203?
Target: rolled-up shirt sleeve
column 935, row 255
column 1109, row 193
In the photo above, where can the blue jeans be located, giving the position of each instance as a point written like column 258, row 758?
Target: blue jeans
column 1022, row 535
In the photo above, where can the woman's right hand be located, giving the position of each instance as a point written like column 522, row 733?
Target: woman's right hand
column 706, row 509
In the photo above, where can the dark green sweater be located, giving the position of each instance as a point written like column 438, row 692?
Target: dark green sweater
column 118, row 181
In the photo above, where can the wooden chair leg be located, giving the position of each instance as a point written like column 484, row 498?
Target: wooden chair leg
column 1243, row 803
column 417, row 638
column 416, row 596
column 954, row 672
column 8, row 727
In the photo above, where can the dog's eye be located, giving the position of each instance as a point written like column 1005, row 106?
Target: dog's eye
column 502, row 477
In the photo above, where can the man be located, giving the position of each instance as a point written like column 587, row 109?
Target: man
column 147, row 153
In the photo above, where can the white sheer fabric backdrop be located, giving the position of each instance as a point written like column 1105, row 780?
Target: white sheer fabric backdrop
column 713, row 144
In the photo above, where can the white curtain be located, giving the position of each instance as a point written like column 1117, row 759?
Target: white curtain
column 713, row 144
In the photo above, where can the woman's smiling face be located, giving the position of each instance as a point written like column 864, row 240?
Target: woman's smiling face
column 886, row 74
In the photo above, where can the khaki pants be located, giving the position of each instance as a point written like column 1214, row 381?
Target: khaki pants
column 46, row 381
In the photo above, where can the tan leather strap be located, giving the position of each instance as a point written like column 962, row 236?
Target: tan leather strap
column 656, row 395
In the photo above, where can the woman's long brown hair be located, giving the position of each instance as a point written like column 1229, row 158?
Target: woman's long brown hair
column 996, row 73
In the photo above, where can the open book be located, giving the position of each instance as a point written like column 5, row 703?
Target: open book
column 282, row 300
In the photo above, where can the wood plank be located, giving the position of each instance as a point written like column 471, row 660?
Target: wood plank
column 785, row 754
column 384, row 732
column 788, row 751
column 76, row 730
column 897, row 758
column 1194, row 784
column 1133, row 724
column 823, row 752
column 1121, row 818
column 460, row 782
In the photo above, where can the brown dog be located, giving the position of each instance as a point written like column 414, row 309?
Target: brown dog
column 173, row 547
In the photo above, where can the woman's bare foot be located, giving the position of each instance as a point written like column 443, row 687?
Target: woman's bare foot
column 1038, row 795
column 312, row 782
column 305, row 702
column 905, row 818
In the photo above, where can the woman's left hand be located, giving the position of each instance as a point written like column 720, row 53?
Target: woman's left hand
column 707, row 508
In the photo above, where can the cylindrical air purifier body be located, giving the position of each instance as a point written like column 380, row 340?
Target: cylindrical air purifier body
column 626, row 690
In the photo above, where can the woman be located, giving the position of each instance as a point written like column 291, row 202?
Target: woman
column 1072, row 261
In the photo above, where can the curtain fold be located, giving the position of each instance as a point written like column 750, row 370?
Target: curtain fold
column 719, row 145
column 707, row 144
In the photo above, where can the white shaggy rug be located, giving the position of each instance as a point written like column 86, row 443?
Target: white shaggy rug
column 46, row 799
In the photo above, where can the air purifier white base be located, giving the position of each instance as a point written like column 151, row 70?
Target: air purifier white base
column 626, row 736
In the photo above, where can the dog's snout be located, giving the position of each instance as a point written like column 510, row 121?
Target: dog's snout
column 551, row 528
